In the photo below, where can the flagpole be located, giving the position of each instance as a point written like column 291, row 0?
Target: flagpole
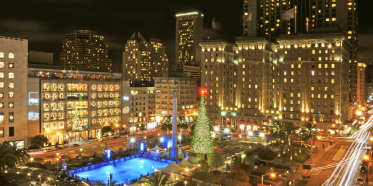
column 295, row 18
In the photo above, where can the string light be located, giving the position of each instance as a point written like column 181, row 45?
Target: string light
column 202, row 141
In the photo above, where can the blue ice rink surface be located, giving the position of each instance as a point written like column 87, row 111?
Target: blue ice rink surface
column 123, row 171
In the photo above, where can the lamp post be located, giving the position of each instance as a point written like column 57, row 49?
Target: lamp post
column 185, row 183
column 57, row 162
column 179, row 137
column 39, row 178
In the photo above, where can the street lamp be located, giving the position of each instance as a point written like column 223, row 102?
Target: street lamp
column 57, row 166
column 32, row 159
column 185, row 183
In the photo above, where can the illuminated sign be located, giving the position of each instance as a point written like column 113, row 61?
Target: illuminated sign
column 126, row 98
column 33, row 116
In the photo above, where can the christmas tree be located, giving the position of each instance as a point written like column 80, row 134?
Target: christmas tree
column 202, row 141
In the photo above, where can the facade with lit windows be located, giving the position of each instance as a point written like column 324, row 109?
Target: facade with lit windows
column 266, row 18
column 298, row 78
column 74, row 105
column 13, row 90
column 144, row 59
column 187, row 104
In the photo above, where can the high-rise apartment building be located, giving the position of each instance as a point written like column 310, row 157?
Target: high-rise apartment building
column 144, row 59
column 189, row 33
column 297, row 78
column 13, row 90
column 84, row 48
column 271, row 18
column 361, row 84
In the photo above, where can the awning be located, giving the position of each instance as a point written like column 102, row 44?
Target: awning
column 242, row 122
column 254, row 123
column 248, row 123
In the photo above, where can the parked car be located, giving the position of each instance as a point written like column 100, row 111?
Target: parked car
column 359, row 181
column 76, row 145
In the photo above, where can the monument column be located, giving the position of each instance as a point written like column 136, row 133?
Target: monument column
column 174, row 149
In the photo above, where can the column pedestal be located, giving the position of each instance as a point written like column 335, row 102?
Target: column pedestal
column 174, row 149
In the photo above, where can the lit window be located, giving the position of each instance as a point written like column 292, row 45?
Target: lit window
column 349, row 32
column 1, row 105
column 285, row 73
column 334, row 5
column 1, row 74
column 11, row 55
column 11, row 65
column 299, row 95
column 320, row 66
column 312, row 73
column 299, row 65
column 332, row 73
column 11, row 85
column 313, row 51
column 332, row 81
column 1, row 64
column 320, row 58
column 11, row 116
column 11, row 105
column 285, row 80
column 318, row 96
column 291, row 94
column 11, row 75
column 11, row 94
column 312, row 88
column 292, row 65
column 333, row 65
column 312, row 95
column 334, row 19
column 325, row 96
column 1, row 84
column 1, row 54
column 1, row 95
column 327, row 19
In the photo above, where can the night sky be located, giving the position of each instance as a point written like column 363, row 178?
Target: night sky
column 45, row 22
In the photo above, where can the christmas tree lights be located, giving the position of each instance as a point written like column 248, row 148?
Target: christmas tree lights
column 202, row 140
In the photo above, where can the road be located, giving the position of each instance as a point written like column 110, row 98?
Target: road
column 95, row 147
column 347, row 169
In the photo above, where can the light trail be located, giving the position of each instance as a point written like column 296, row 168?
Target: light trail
column 345, row 169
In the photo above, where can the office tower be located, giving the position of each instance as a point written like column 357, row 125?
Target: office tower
column 187, row 105
column 266, row 18
column 189, row 33
column 361, row 89
column 84, row 48
column 296, row 78
column 13, row 94
column 144, row 59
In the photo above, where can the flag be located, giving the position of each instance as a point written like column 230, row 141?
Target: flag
column 288, row 15
column 215, row 25
column 246, row 19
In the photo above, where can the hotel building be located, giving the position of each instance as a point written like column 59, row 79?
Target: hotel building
column 265, row 18
column 85, row 49
column 298, row 78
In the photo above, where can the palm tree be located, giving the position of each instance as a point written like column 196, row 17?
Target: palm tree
column 7, row 157
column 20, row 153
column 182, row 124
column 310, row 132
column 157, row 179
column 278, row 128
column 289, row 129
column 166, row 124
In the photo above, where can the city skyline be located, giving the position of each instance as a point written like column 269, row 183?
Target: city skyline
column 46, row 33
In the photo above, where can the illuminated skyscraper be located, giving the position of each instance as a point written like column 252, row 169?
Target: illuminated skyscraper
column 189, row 33
column 143, row 59
column 84, row 48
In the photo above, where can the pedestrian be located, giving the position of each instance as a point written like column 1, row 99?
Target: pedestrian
column 316, row 148
column 323, row 145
